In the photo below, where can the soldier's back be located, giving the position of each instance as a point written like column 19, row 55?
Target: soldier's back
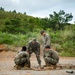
column 54, row 54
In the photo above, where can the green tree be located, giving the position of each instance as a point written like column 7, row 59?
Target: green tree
column 14, row 11
column 60, row 19
column 44, row 23
column 1, row 8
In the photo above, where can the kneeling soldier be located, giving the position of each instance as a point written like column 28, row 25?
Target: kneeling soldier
column 22, row 59
column 50, row 56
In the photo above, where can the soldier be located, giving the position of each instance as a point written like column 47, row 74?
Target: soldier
column 46, row 38
column 22, row 59
column 50, row 56
column 34, row 46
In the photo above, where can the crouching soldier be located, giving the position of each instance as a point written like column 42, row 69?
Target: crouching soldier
column 22, row 59
column 50, row 56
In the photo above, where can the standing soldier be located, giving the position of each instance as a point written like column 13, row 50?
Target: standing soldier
column 46, row 38
column 50, row 56
column 22, row 59
column 34, row 46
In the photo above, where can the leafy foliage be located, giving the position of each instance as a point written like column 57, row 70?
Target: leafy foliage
column 17, row 29
column 60, row 19
column 14, row 22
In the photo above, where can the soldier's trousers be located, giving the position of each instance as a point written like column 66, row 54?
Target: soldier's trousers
column 37, row 56
column 22, row 62
column 50, row 61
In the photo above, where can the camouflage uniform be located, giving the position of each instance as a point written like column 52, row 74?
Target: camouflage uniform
column 22, row 59
column 51, row 57
column 36, row 49
column 46, row 39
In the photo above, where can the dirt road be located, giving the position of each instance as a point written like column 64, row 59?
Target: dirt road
column 7, row 65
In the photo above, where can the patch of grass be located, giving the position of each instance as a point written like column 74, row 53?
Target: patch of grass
column 57, row 47
column 67, row 54
column 16, row 40
column 63, row 41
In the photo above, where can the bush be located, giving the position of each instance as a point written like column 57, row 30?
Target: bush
column 63, row 41
column 17, row 40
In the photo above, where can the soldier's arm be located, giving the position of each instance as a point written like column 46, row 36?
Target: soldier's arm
column 50, row 53
column 27, row 57
column 38, row 48
column 47, row 39
column 29, row 45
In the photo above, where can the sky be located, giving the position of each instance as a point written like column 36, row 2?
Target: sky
column 39, row 8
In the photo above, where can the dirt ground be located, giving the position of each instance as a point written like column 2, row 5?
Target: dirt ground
column 7, row 65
